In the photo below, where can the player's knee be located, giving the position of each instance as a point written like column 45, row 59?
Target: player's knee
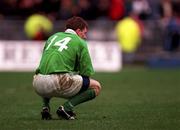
column 96, row 86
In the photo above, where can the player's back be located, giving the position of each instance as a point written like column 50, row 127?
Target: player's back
column 60, row 53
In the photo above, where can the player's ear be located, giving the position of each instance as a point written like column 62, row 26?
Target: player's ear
column 78, row 31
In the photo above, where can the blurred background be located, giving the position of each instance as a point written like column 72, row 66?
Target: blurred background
column 146, row 32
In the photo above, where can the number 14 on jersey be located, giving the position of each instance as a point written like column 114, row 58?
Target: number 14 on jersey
column 62, row 44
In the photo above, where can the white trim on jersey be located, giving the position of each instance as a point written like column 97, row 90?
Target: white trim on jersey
column 70, row 31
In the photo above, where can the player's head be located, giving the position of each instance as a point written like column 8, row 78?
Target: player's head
column 79, row 25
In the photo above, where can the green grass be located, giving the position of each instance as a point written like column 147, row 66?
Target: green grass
column 133, row 99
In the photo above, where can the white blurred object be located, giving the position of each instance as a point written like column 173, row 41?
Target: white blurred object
column 25, row 55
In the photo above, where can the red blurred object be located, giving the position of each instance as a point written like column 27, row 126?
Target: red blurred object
column 117, row 9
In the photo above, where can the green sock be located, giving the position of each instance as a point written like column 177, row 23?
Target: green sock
column 46, row 102
column 80, row 98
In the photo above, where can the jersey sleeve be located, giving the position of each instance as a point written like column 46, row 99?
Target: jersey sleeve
column 86, row 67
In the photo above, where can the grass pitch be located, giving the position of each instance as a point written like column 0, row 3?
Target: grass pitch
column 133, row 99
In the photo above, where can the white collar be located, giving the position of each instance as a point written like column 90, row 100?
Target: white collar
column 70, row 31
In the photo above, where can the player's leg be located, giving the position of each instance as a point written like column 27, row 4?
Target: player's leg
column 43, row 85
column 45, row 113
column 90, row 89
column 96, row 86
column 46, row 102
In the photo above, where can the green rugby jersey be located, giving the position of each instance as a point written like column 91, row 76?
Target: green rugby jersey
column 65, row 52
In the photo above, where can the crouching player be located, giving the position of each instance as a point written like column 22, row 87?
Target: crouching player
column 65, row 69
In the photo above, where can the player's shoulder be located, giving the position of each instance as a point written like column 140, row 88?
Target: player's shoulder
column 82, row 43
column 81, row 40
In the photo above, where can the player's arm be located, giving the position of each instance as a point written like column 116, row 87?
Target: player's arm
column 86, row 67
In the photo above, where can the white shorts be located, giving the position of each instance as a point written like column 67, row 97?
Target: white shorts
column 57, row 85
